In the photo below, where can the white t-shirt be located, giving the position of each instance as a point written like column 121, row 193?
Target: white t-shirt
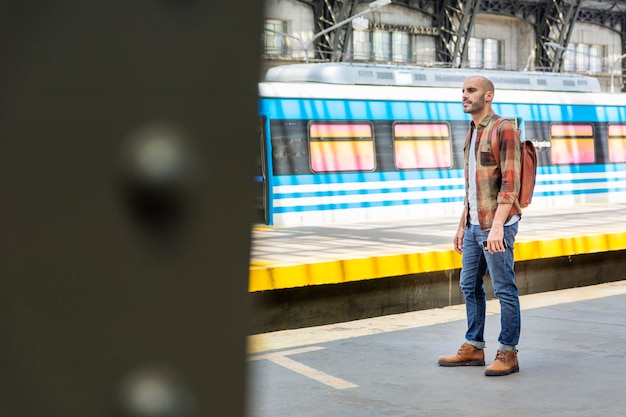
column 471, row 190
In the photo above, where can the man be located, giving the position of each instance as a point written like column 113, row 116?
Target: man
column 487, row 231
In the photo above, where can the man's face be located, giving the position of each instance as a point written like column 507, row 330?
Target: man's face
column 473, row 95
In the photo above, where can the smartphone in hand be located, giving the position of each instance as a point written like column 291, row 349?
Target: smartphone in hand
column 485, row 244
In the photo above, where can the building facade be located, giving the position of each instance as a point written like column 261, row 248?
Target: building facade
column 576, row 36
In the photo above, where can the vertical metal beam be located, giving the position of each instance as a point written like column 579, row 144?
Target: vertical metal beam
column 456, row 21
column 342, row 35
column 323, row 18
column 124, row 284
column 330, row 13
column 554, row 30
column 623, row 32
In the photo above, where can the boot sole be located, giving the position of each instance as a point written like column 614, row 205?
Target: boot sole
column 468, row 363
column 510, row 371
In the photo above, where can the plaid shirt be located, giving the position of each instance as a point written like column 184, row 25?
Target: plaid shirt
column 494, row 185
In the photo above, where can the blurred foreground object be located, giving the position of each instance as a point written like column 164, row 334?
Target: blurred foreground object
column 126, row 206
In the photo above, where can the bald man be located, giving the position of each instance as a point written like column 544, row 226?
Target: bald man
column 487, row 230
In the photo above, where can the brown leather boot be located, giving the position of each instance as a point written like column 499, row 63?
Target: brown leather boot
column 467, row 355
column 504, row 364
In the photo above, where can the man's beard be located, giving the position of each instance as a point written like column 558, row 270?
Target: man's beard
column 474, row 109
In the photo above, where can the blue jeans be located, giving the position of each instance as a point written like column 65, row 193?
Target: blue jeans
column 476, row 262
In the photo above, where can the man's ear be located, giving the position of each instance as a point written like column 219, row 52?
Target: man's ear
column 489, row 96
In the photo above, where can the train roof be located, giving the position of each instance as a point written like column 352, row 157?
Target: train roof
column 348, row 73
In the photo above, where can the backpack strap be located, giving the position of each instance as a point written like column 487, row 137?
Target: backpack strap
column 495, row 143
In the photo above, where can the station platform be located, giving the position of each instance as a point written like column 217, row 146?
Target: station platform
column 571, row 353
column 295, row 257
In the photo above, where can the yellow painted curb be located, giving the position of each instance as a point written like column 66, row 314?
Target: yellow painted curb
column 265, row 276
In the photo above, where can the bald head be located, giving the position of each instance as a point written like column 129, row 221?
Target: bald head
column 484, row 82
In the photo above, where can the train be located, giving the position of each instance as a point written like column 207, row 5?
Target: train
column 352, row 142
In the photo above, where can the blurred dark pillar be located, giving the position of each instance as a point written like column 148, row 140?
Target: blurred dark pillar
column 127, row 134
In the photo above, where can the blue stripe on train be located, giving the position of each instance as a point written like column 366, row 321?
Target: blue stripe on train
column 345, row 177
column 369, row 204
column 278, row 195
column 581, row 169
column 369, row 177
column 578, row 192
column 342, row 206
column 339, row 109
column 341, row 192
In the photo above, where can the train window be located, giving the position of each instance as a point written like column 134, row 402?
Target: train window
column 572, row 144
column 617, row 143
column 336, row 147
column 422, row 145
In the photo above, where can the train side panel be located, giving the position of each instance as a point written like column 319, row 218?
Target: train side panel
column 347, row 158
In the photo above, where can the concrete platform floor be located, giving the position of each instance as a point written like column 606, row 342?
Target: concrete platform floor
column 572, row 363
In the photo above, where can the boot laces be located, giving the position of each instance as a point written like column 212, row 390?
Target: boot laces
column 463, row 348
column 501, row 356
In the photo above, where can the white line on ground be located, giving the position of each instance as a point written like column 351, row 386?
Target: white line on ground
column 280, row 358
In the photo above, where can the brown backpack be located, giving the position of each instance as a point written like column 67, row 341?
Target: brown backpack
column 528, row 165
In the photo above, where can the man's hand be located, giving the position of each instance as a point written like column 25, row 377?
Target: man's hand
column 458, row 240
column 495, row 240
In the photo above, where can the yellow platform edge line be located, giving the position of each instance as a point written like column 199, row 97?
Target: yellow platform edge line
column 266, row 276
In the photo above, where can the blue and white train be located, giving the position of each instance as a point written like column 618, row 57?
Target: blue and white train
column 347, row 142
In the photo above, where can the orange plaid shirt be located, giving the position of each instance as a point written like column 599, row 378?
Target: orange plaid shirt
column 494, row 185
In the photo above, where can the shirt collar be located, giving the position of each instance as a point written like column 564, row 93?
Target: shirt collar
column 483, row 123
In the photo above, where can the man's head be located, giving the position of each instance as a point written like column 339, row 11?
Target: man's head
column 478, row 94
